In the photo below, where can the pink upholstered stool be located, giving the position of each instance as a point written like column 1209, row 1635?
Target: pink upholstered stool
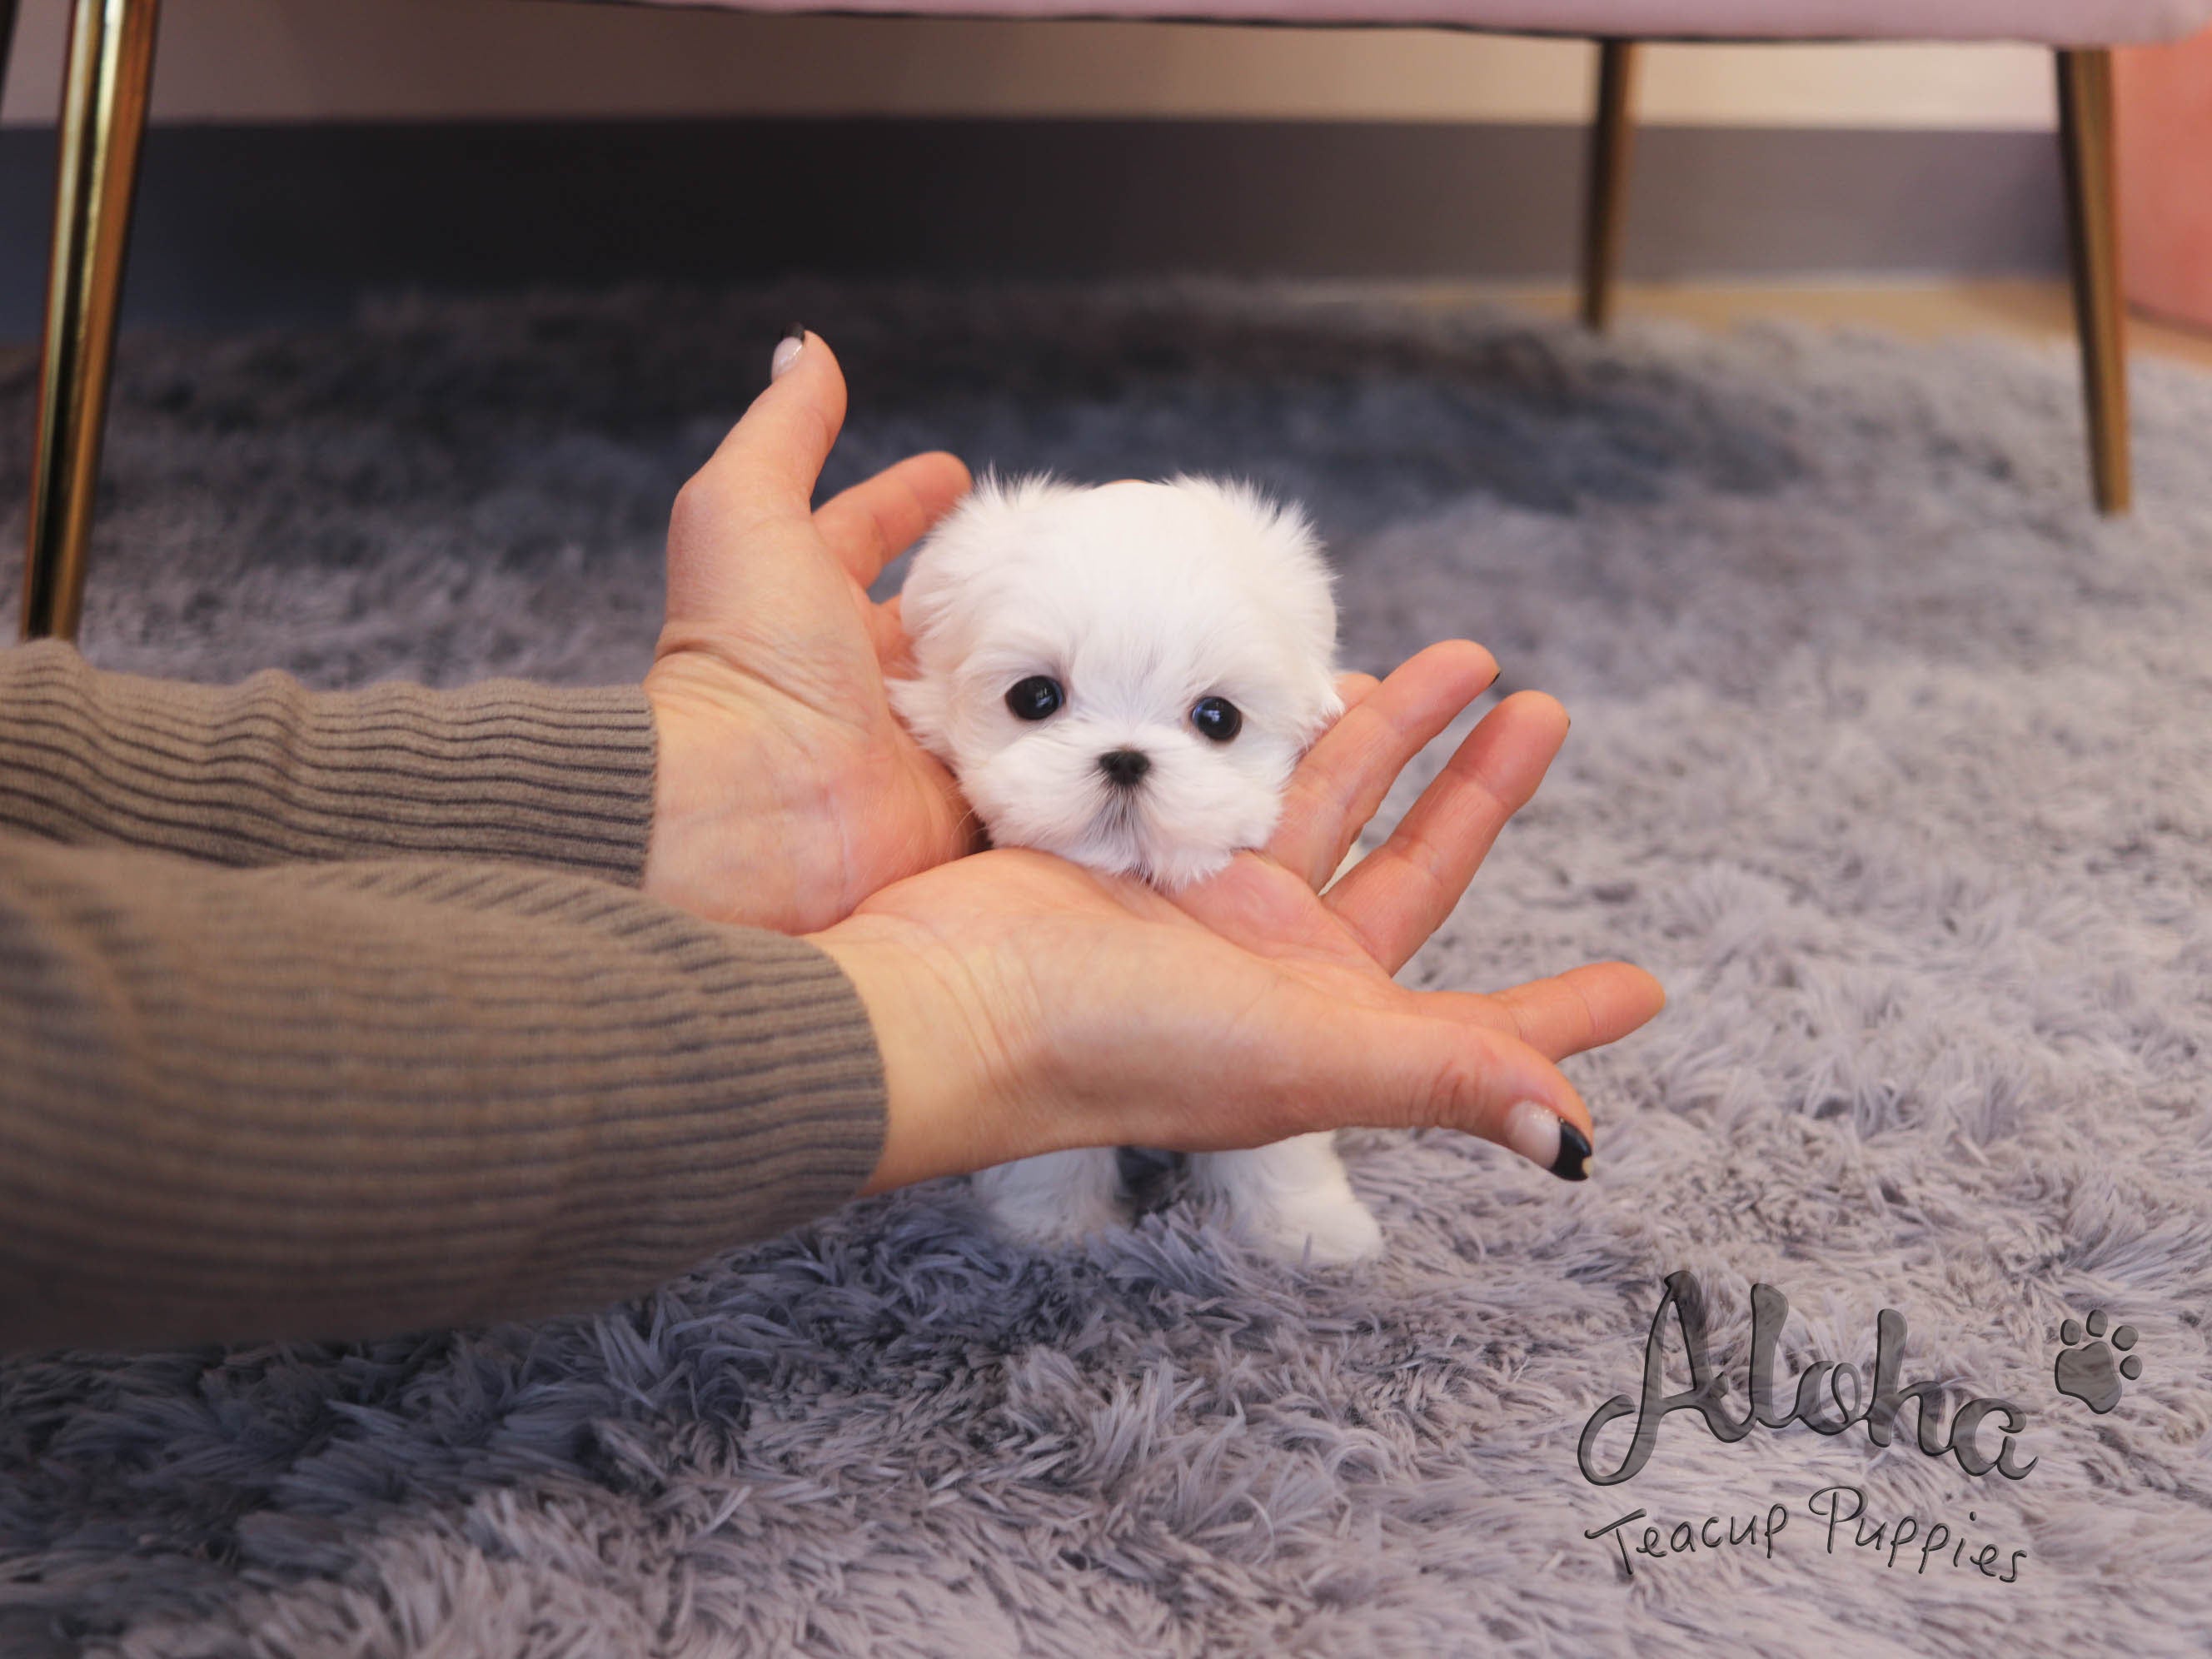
column 2164, row 96
column 111, row 64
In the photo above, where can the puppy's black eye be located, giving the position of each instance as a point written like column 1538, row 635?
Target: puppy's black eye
column 1036, row 698
column 1216, row 718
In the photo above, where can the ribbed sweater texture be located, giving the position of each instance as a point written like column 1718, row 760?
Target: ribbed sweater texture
column 328, row 1015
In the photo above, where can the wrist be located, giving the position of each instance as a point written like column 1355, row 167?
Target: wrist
column 948, row 1079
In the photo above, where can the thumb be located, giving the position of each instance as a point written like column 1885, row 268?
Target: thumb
column 762, row 474
column 774, row 456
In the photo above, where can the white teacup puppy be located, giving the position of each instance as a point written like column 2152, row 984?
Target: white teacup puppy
column 1126, row 676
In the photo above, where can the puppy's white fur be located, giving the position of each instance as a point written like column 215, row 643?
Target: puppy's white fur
column 1139, row 601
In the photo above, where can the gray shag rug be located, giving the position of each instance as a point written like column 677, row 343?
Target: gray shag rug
column 1889, row 757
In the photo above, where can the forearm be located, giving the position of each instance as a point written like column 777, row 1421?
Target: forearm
column 267, row 772
column 337, row 1099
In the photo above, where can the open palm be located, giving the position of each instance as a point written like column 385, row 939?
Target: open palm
column 1027, row 1004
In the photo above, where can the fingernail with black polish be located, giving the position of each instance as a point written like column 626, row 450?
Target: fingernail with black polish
column 1546, row 1139
column 786, row 350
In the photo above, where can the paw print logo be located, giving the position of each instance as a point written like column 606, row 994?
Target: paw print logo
column 2085, row 1371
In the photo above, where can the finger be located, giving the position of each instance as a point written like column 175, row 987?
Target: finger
column 758, row 485
column 1400, row 893
column 872, row 523
column 887, row 629
column 1350, row 769
column 1442, row 1065
column 1352, row 688
column 1582, row 1009
column 768, row 465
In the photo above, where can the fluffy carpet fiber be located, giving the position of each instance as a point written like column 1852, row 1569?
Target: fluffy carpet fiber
column 1889, row 758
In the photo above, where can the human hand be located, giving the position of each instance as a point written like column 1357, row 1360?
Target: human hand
column 1023, row 1004
column 785, row 790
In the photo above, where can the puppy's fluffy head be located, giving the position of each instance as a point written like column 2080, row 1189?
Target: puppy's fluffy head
column 1125, row 675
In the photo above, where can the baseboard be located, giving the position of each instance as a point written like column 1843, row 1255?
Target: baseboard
column 243, row 223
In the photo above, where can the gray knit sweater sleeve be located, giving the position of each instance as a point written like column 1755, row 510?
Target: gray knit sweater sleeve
column 267, row 772
column 348, row 1097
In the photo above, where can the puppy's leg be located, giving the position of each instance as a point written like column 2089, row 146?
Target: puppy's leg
column 1058, row 1197
column 1292, row 1195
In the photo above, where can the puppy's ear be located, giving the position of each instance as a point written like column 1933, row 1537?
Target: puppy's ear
column 1288, row 549
column 924, row 707
column 961, row 562
column 985, row 529
column 948, row 596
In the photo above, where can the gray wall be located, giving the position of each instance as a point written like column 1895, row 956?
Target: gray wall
column 238, row 223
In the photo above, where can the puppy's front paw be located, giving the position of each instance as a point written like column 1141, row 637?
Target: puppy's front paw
column 1052, row 1202
column 1058, row 1227
column 1291, row 1200
column 1329, row 1230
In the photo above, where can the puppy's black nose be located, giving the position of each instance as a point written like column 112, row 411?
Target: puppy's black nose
column 1125, row 765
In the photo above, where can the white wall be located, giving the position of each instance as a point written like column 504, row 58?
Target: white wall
column 255, row 60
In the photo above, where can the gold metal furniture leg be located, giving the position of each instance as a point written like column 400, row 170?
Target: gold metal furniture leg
column 111, row 63
column 1606, row 205
column 2085, row 127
